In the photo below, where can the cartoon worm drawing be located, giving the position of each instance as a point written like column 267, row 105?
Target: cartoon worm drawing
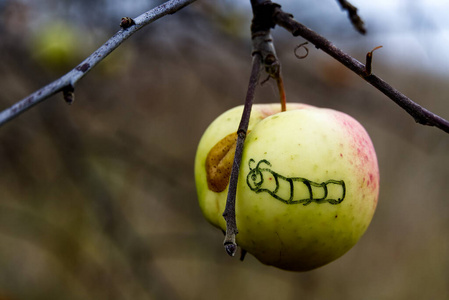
column 293, row 190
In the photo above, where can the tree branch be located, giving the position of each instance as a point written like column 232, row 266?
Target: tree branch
column 356, row 21
column 264, row 55
column 420, row 114
column 66, row 83
column 229, row 213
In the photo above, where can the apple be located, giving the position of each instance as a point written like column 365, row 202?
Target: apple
column 58, row 46
column 308, row 182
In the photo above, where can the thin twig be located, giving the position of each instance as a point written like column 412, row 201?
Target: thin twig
column 264, row 55
column 263, row 44
column 356, row 21
column 68, row 81
column 369, row 61
column 420, row 114
column 229, row 213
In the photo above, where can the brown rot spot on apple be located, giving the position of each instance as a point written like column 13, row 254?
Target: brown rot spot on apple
column 219, row 163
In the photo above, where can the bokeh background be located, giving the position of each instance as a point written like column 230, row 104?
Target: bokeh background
column 97, row 199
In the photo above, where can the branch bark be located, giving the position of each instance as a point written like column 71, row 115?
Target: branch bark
column 419, row 113
column 229, row 213
column 66, row 83
column 354, row 17
column 264, row 55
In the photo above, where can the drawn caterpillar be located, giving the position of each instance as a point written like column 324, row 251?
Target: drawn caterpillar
column 293, row 190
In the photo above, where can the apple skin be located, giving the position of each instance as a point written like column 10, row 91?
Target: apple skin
column 303, row 146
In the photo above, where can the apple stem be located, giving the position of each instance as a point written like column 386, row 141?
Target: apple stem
column 281, row 89
column 229, row 213
column 243, row 254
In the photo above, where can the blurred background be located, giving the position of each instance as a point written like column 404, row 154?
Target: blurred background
column 97, row 199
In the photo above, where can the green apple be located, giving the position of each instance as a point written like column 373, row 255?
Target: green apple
column 308, row 183
column 58, row 46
